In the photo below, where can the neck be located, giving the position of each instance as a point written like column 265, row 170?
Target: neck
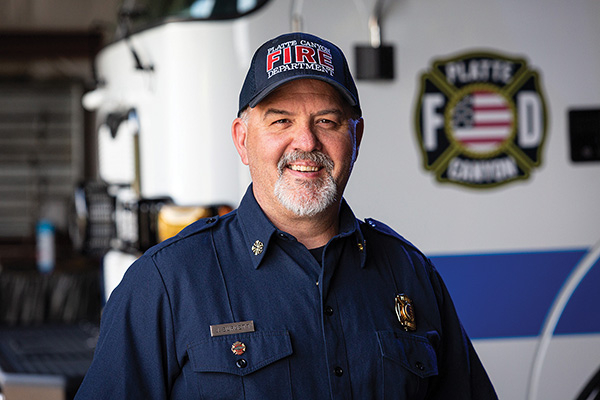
column 313, row 231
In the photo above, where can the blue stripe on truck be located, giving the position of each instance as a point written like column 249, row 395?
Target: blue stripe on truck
column 509, row 295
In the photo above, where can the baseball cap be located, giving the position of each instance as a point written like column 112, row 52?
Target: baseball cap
column 294, row 56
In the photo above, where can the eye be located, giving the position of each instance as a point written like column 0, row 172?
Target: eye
column 280, row 121
column 325, row 121
column 328, row 123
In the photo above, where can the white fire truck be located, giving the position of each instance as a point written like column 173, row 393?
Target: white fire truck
column 481, row 146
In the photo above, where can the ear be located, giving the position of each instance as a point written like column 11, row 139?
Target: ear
column 358, row 132
column 239, row 132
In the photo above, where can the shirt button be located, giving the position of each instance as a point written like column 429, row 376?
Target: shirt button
column 338, row 371
column 419, row 366
column 329, row 311
column 241, row 363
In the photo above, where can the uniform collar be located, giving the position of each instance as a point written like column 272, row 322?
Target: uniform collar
column 256, row 227
column 259, row 232
column 350, row 228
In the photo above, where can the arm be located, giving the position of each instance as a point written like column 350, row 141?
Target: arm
column 462, row 375
column 135, row 355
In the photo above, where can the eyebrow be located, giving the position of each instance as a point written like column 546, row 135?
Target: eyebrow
column 275, row 111
column 335, row 111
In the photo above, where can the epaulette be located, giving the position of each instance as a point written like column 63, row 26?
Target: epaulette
column 386, row 230
column 192, row 229
column 198, row 226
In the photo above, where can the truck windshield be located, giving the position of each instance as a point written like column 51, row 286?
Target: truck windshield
column 144, row 13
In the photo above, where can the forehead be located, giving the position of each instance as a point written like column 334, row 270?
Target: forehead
column 308, row 90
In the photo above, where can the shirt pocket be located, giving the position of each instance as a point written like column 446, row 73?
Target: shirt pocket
column 250, row 365
column 407, row 361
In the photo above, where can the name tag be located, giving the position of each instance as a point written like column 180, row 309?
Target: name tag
column 230, row 329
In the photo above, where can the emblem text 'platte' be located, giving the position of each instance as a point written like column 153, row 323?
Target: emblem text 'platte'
column 230, row 329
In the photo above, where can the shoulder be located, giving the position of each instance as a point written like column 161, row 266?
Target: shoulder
column 385, row 230
column 191, row 235
column 189, row 252
column 380, row 232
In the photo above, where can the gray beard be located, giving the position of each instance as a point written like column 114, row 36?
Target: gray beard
column 306, row 198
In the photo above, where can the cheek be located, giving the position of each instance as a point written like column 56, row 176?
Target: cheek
column 263, row 158
column 342, row 153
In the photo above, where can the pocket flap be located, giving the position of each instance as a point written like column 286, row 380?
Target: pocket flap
column 259, row 349
column 413, row 352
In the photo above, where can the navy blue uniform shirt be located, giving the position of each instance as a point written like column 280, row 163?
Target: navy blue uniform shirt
column 324, row 330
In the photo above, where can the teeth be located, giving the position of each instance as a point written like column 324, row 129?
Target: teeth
column 304, row 168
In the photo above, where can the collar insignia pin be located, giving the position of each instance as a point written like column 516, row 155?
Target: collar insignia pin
column 405, row 312
column 257, row 247
column 360, row 246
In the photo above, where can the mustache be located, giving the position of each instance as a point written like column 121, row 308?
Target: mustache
column 317, row 157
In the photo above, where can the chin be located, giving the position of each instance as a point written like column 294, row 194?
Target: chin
column 309, row 199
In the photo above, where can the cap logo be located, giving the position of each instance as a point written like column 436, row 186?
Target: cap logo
column 302, row 54
column 296, row 56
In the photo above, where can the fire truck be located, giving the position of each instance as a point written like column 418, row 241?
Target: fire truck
column 481, row 146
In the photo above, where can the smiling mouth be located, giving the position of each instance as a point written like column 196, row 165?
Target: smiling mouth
column 305, row 162
column 303, row 168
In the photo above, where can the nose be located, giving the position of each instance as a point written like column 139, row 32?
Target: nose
column 306, row 139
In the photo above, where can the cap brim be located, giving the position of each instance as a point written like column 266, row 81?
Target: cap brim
column 271, row 88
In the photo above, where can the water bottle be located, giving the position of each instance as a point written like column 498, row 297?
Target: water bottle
column 45, row 246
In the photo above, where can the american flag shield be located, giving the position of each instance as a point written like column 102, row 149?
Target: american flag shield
column 482, row 121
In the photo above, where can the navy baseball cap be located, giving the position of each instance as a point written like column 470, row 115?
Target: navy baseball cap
column 296, row 56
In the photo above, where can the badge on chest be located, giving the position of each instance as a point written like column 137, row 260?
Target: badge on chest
column 405, row 311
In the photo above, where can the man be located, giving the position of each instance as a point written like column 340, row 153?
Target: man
column 289, row 296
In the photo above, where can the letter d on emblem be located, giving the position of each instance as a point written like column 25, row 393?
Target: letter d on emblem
column 405, row 312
